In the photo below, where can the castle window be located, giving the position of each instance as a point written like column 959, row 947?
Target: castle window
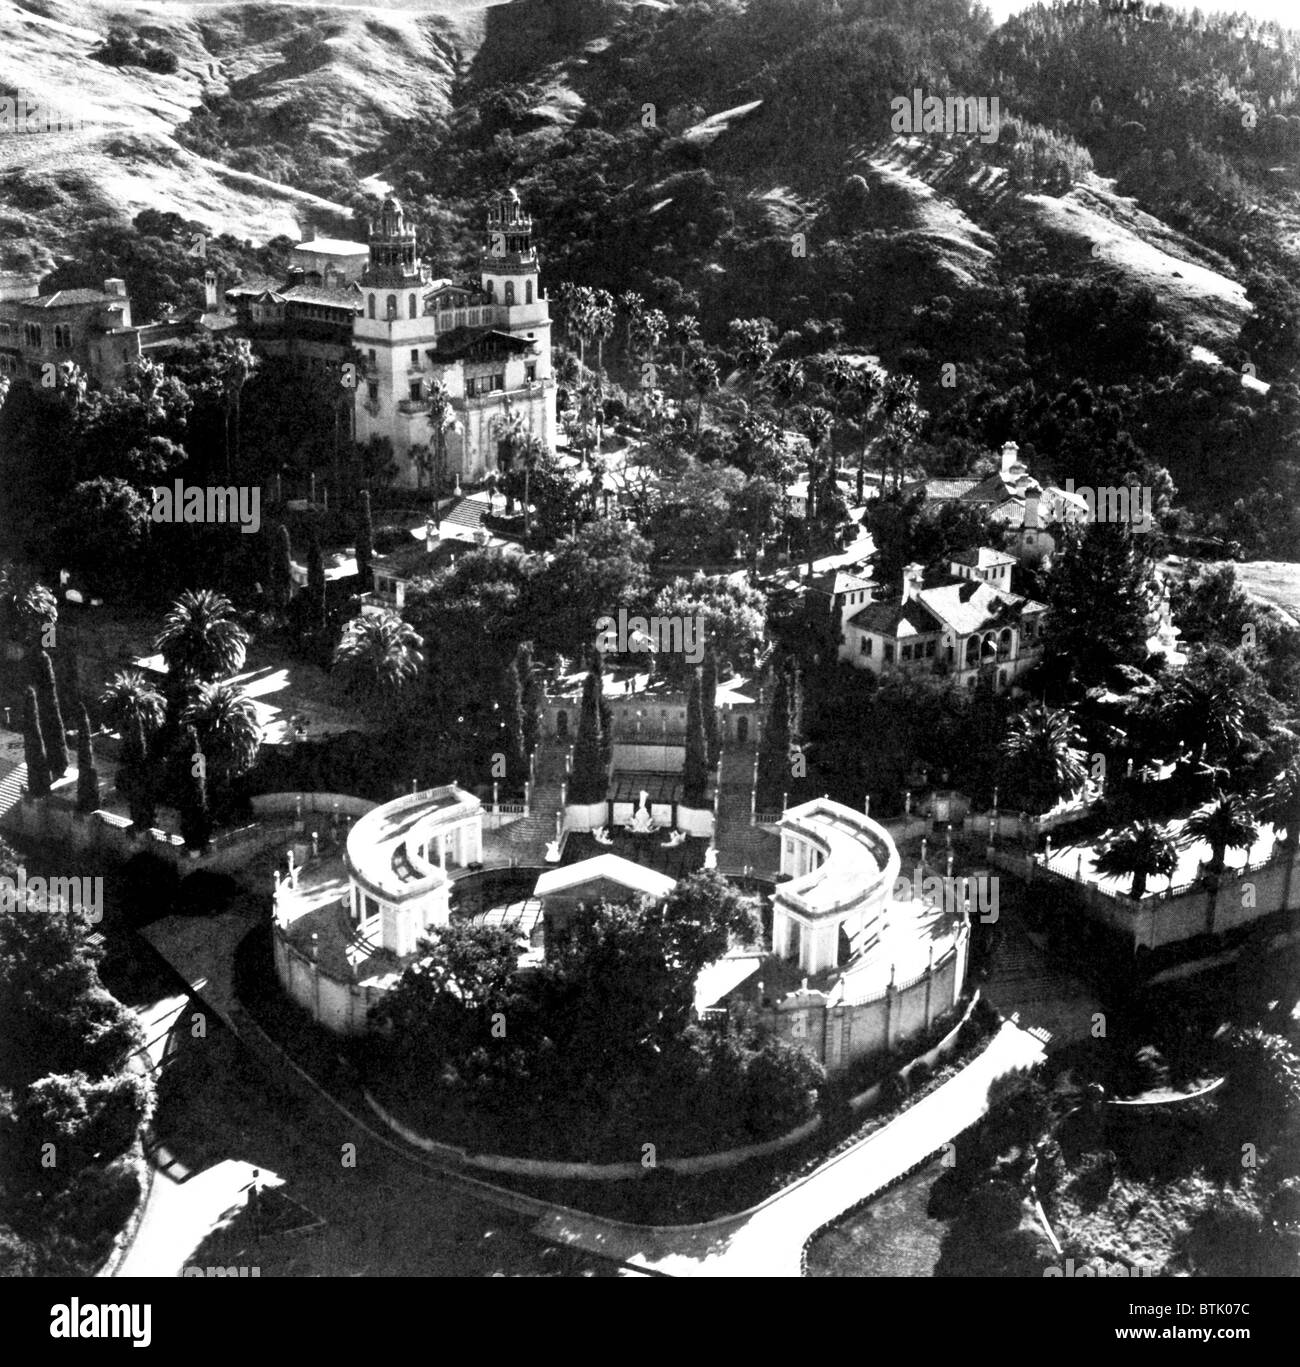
column 410, row 306
column 510, row 291
column 392, row 306
column 530, row 371
column 372, row 391
column 32, row 334
column 415, row 354
column 889, row 654
column 528, row 291
column 372, row 305
column 491, row 289
column 866, row 645
column 62, row 337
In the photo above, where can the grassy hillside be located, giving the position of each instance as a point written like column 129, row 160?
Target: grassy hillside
column 301, row 93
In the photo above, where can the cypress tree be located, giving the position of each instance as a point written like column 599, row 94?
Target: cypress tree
column 68, row 675
column 512, row 695
column 87, row 773
column 588, row 781
column 38, row 764
column 365, row 539
column 135, row 779
column 709, row 702
column 695, row 773
column 316, row 582
column 280, row 573
column 603, row 710
column 196, row 818
column 47, row 695
column 774, row 755
column 534, row 698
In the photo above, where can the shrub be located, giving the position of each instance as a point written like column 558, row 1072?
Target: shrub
column 894, row 1089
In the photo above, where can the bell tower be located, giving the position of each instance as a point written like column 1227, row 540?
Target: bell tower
column 392, row 249
column 509, row 260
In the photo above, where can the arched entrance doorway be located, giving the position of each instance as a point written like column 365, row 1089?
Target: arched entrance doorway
column 742, row 729
column 562, row 725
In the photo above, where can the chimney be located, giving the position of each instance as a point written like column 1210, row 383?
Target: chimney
column 1010, row 455
column 913, row 579
column 116, row 287
column 430, row 534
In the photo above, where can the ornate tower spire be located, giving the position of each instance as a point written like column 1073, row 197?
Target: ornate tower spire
column 392, row 249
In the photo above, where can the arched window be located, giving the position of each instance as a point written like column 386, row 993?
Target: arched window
column 410, row 306
column 528, row 291
column 491, row 289
column 392, row 306
column 510, row 291
column 372, row 305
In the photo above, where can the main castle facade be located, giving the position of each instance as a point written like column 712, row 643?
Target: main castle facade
column 487, row 343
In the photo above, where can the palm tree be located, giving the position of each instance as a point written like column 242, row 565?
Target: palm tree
column 378, row 655
column 840, row 378
column 512, row 432
column 1224, row 824
column 1281, row 804
column 785, row 381
column 226, row 721
column 704, row 379
column 1208, row 710
column 686, row 333
column 28, row 609
column 237, row 365
column 129, row 697
column 651, row 328
column 582, row 319
column 867, row 389
column 751, row 343
column 200, row 638
column 632, row 306
column 816, row 423
column 1045, row 750
column 901, row 419
column 604, row 316
column 440, row 423
column 1143, row 850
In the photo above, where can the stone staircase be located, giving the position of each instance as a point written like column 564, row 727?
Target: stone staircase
column 740, row 844
column 526, row 839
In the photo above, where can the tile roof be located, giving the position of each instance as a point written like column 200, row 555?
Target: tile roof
column 983, row 558
column 333, row 246
column 913, row 618
column 339, row 297
column 612, row 867
column 997, row 487
column 962, row 606
column 62, row 299
column 941, row 489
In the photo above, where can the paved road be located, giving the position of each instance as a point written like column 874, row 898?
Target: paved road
column 768, row 1241
column 765, row 1242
